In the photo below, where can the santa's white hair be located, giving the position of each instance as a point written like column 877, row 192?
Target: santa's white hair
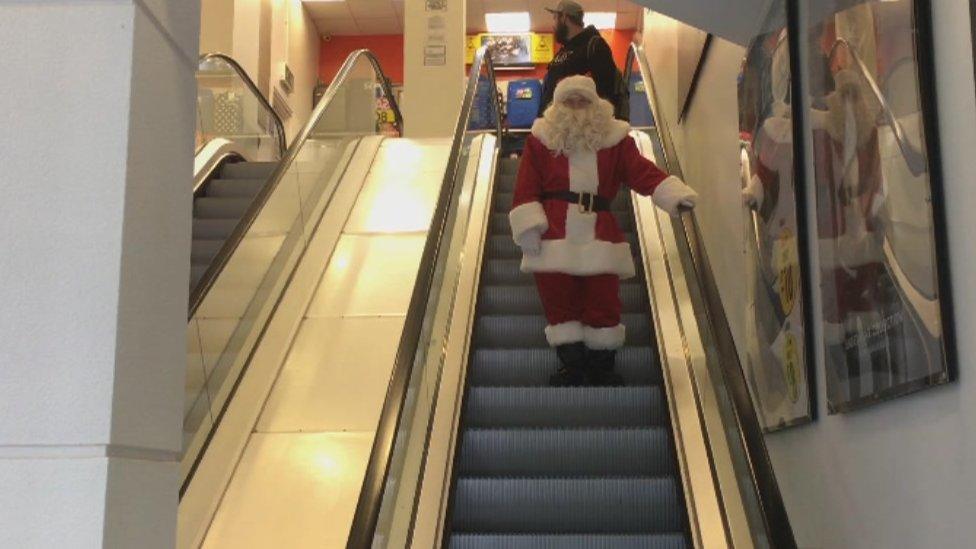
column 575, row 130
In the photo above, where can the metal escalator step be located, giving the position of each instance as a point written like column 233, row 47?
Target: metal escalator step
column 503, row 247
column 566, row 407
column 507, row 272
column 566, row 452
column 583, row 505
column 508, row 166
column 248, row 170
column 499, row 223
column 523, row 299
column 213, row 229
column 197, row 271
column 502, row 202
column 525, row 331
column 203, row 251
column 210, row 207
column 532, row 367
column 568, row 541
column 235, row 188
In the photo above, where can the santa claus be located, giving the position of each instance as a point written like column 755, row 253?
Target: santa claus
column 573, row 165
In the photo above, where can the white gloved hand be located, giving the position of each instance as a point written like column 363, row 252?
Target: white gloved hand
column 673, row 193
column 753, row 194
column 531, row 243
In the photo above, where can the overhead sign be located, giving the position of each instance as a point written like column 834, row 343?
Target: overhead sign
column 513, row 50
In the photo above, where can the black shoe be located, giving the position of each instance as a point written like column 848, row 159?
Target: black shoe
column 573, row 371
column 599, row 368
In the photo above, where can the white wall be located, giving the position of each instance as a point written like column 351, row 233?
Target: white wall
column 896, row 475
column 432, row 94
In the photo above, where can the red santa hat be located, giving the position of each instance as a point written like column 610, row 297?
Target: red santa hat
column 582, row 86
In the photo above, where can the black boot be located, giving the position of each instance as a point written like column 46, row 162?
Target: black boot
column 599, row 368
column 573, row 371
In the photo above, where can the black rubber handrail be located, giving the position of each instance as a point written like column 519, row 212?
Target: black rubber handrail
column 230, row 245
column 711, row 312
column 378, row 469
column 279, row 125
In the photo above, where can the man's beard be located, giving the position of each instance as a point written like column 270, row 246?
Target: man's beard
column 562, row 33
column 576, row 130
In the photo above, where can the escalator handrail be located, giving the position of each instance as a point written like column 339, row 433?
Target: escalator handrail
column 916, row 161
column 691, row 245
column 278, row 123
column 230, row 245
column 370, row 501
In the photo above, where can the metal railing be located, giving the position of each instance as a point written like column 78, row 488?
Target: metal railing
column 371, row 497
column 710, row 313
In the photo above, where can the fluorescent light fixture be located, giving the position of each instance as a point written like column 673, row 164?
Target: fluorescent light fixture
column 601, row 19
column 513, row 21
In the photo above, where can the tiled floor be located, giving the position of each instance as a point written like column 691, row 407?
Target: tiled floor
column 298, row 481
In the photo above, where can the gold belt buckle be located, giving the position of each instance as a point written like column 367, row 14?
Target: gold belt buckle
column 586, row 207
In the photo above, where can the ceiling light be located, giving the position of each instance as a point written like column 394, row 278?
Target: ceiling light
column 514, row 21
column 601, row 19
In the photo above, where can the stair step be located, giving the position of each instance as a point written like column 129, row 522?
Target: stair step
column 503, row 247
column 203, row 251
column 210, row 207
column 499, row 223
column 197, row 271
column 566, row 452
column 566, row 407
column 586, row 505
column 568, row 541
column 532, row 367
column 248, row 170
column 528, row 331
column 507, row 272
column 213, row 229
column 502, row 202
column 525, row 299
column 235, row 188
column 508, row 166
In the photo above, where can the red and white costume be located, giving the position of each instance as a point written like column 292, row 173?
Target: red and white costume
column 583, row 255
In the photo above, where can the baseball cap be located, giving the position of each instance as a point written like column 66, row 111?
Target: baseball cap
column 567, row 7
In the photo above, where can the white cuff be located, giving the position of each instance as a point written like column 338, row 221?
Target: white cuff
column 672, row 193
column 600, row 339
column 527, row 217
column 561, row 334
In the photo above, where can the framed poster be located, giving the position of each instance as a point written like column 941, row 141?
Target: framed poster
column 885, row 314
column 778, row 356
column 509, row 50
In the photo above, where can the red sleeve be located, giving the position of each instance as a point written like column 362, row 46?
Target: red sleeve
column 636, row 171
column 527, row 214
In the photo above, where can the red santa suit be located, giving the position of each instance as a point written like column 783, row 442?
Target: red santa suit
column 583, row 253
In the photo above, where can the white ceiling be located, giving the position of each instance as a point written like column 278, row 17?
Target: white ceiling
column 352, row 17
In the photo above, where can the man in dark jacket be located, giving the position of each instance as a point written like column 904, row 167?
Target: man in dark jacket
column 583, row 52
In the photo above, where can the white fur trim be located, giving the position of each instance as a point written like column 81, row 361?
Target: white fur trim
column 580, row 85
column 561, row 334
column 587, row 259
column 600, row 339
column 527, row 217
column 619, row 129
column 584, row 176
column 672, row 193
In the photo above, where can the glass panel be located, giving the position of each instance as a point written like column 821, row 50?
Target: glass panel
column 225, row 326
column 228, row 108
column 406, row 467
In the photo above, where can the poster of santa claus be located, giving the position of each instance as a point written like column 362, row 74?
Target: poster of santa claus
column 885, row 310
column 777, row 367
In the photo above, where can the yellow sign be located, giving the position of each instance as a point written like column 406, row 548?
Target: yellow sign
column 542, row 47
column 788, row 281
column 791, row 365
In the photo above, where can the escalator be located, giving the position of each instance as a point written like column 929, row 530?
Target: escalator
column 540, row 466
column 475, row 450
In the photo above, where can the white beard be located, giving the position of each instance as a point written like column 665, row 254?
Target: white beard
column 577, row 130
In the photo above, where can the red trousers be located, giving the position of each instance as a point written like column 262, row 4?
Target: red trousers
column 581, row 308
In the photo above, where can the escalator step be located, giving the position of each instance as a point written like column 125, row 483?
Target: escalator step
column 203, row 251
column 505, row 183
column 567, row 407
column 585, row 505
column 503, row 247
column 525, row 299
column 235, row 188
column 508, row 166
column 499, row 223
column 532, row 367
column 566, row 452
column 568, row 541
column 212, row 229
column 513, row 332
column 248, row 170
column 197, row 271
column 220, row 208
column 502, row 202
column 507, row 272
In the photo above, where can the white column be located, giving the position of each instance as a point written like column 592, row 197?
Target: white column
column 433, row 83
column 96, row 151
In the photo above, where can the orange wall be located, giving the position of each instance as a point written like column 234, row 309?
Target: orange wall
column 388, row 48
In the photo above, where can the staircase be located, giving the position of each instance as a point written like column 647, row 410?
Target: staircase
column 220, row 208
column 542, row 467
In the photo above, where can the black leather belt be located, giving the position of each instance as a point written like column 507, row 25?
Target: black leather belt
column 587, row 202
